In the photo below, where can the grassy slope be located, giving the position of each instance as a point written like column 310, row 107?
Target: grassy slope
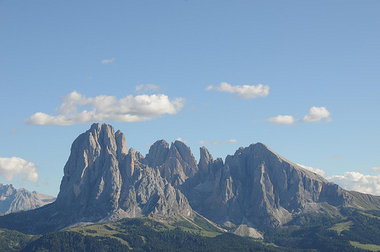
column 342, row 226
column 369, row 247
column 323, row 234
column 356, row 232
column 148, row 235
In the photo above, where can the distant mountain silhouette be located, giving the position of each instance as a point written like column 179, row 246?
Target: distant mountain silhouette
column 14, row 200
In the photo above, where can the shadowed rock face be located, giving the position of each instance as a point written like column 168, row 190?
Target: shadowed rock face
column 158, row 153
column 253, row 189
column 258, row 187
column 91, row 183
column 176, row 164
column 14, row 200
column 103, row 180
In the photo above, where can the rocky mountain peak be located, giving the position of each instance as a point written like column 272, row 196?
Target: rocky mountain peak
column 179, row 165
column 183, row 154
column 256, row 186
column 13, row 200
column 121, row 143
column 257, row 149
column 7, row 190
column 205, row 160
column 158, row 153
column 91, row 174
column 103, row 180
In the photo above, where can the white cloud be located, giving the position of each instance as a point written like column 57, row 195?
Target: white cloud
column 108, row 61
column 353, row 181
column 282, row 119
column 202, row 142
column 15, row 166
column 356, row 181
column 315, row 170
column 316, row 114
column 245, row 91
column 76, row 108
column 375, row 169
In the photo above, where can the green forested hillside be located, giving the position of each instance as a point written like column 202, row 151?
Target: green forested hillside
column 329, row 234
column 357, row 231
column 11, row 240
column 144, row 235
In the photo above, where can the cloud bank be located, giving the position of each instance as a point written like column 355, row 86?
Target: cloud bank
column 316, row 114
column 15, row 166
column 202, row 142
column 375, row 169
column 76, row 108
column 352, row 181
column 244, row 91
column 356, row 181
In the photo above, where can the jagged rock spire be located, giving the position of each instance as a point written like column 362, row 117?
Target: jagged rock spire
column 205, row 160
column 102, row 179
column 158, row 153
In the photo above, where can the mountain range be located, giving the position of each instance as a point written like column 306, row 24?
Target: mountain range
column 251, row 192
column 14, row 200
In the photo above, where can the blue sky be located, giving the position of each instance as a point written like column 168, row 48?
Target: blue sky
column 323, row 54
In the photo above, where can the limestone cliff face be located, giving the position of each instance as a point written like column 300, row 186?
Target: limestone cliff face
column 176, row 164
column 258, row 187
column 103, row 180
column 91, row 183
column 14, row 200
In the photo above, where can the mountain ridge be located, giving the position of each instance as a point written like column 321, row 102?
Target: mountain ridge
column 14, row 200
column 251, row 191
column 264, row 190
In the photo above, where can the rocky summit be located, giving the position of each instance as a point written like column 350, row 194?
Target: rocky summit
column 259, row 188
column 15, row 200
column 102, row 179
column 249, row 192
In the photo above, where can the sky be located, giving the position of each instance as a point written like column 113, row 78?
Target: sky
column 302, row 77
